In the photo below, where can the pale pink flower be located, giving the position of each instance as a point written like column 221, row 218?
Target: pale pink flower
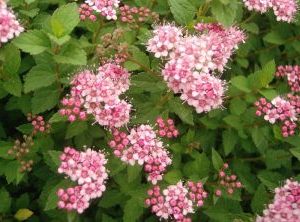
column 164, row 40
column 285, row 206
column 9, row 25
column 176, row 202
column 106, row 8
column 142, row 147
column 88, row 170
column 284, row 10
column 99, row 95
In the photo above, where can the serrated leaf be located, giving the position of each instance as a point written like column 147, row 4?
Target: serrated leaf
column 64, row 19
column 217, row 160
column 237, row 106
column 33, row 42
column 133, row 173
column 259, row 138
column 52, row 159
column 76, row 128
column 132, row 210
column 13, row 85
column 197, row 169
column 224, row 13
column 4, row 147
column 44, row 99
column 241, row 83
column 260, row 199
column 184, row 113
column 270, row 179
column 173, row 176
column 182, row 10
column 12, row 172
column 39, row 76
column 12, row 60
column 57, row 118
column 71, row 55
column 230, row 139
column 274, row 37
column 266, row 75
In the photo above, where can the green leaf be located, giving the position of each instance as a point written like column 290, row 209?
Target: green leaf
column 197, row 169
column 5, row 201
column 112, row 198
column 23, row 214
column 296, row 152
column 75, row 129
column 238, row 106
column 4, row 147
column 132, row 211
column 146, row 82
column 64, row 19
column 241, row 83
column 260, row 199
column 71, row 55
column 12, row 172
column 266, row 75
column 44, row 99
column 274, row 37
column 230, row 139
column 138, row 60
column 52, row 198
column 57, row 118
column 234, row 121
column 39, row 76
column 270, row 179
column 259, row 138
column 33, row 42
column 13, row 85
column 51, row 158
column 185, row 113
column 133, row 173
column 173, row 176
column 12, row 60
column 224, row 13
column 217, row 160
column 250, row 27
column 277, row 158
column 182, row 10
column 25, row 128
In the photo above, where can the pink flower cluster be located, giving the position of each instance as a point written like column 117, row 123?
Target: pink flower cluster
column 285, row 206
column 292, row 73
column 142, row 147
column 193, row 59
column 106, row 8
column 9, row 25
column 136, row 14
column 176, row 201
column 86, row 12
column 38, row 123
column 284, row 10
column 281, row 110
column 88, row 170
column 166, row 128
column 228, row 181
column 98, row 95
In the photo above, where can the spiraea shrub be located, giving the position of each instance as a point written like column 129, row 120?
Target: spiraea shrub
column 149, row 110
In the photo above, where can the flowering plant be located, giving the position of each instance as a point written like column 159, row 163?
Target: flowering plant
column 149, row 110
